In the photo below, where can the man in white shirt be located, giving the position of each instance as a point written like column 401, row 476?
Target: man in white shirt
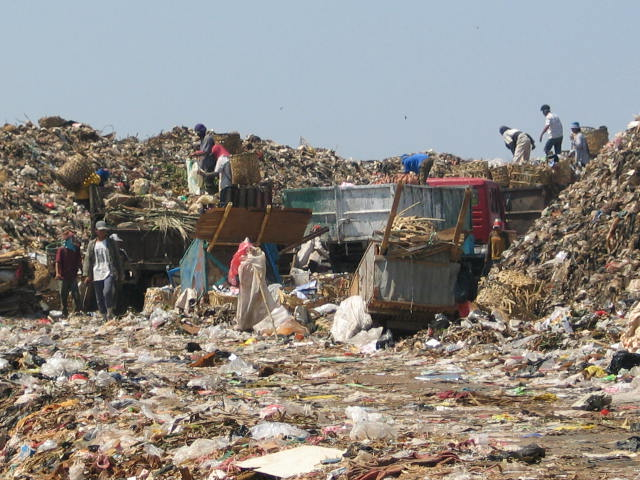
column 553, row 125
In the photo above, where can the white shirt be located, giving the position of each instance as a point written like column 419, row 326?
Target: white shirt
column 101, row 266
column 555, row 126
column 223, row 169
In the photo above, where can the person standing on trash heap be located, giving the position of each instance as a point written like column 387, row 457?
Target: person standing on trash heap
column 206, row 162
column 312, row 255
column 518, row 142
column 579, row 146
column 222, row 167
column 103, row 266
column 498, row 243
column 418, row 163
column 553, row 125
column 68, row 262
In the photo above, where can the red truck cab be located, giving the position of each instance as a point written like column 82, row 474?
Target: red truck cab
column 487, row 202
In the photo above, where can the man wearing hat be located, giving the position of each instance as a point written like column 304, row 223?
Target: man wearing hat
column 206, row 162
column 103, row 266
column 553, row 125
column 68, row 262
column 518, row 142
column 579, row 146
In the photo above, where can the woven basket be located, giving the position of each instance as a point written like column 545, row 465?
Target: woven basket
column 245, row 169
column 596, row 139
column 74, row 172
column 500, row 175
column 217, row 299
column 477, row 169
column 230, row 141
column 528, row 175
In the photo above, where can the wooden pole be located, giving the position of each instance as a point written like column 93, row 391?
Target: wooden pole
column 265, row 220
column 392, row 215
column 216, row 234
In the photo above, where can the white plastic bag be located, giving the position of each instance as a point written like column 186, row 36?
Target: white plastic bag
column 194, row 180
column 350, row 318
column 276, row 429
column 254, row 301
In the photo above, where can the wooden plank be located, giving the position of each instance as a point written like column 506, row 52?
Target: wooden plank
column 392, row 215
column 212, row 244
column 284, row 226
column 265, row 220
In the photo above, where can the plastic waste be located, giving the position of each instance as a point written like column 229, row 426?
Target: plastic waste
column 366, row 340
column 104, row 379
column 159, row 317
column 58, row 366
column 238, row 366
column 4, row 364
column 623, row 359
column 76, row 471
column 47, row 445
column 369, row 425
column 265, row 430
column 326, row 309
column 237, row 259
column 350, row 318
column 200, row 448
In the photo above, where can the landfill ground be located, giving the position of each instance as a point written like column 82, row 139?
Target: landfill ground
column 135, row 399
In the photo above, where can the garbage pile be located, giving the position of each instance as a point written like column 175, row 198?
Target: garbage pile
column 34, row 206
column 585, row 249
column 173, row 395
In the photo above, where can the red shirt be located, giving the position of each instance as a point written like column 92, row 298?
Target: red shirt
column 69, row 261
column 219, row 151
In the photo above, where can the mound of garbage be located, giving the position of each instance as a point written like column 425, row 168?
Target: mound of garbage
column 34, row 206
column 585, row 247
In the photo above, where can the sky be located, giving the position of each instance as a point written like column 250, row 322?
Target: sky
column 370, row 79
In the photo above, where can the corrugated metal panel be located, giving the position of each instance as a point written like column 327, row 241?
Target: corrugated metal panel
column 414, row 282
column 354, row 213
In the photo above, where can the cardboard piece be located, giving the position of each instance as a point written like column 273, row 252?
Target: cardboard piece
column 295, row 461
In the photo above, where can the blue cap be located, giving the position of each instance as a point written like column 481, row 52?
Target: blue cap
column 575, row 125
column 200, row 128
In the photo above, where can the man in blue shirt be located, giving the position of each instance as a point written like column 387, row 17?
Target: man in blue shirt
column 418, row 163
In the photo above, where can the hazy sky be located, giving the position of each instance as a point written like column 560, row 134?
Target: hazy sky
column 369, row 78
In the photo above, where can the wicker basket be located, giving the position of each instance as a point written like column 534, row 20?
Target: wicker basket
column 477, row 169
column 230, row 141
column 596, row 139
column 528, row 175
column 75, row 171
column 500, row 175
column 245, row 169
column 217, row 299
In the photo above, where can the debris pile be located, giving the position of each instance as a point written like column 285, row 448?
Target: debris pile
column 586, row 245
column 34, row 206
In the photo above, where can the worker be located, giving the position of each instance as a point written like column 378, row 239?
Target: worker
column 222, row 167
column 418, row 163
column 579, row 146
column 68, row 262
column 103, row 266
column 498, row 243
column 206, row 163
column 553, row 125
column 518, row 142
column 312, row 255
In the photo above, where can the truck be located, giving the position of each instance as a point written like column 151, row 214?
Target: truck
column 353, row 214
column 150, row 254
